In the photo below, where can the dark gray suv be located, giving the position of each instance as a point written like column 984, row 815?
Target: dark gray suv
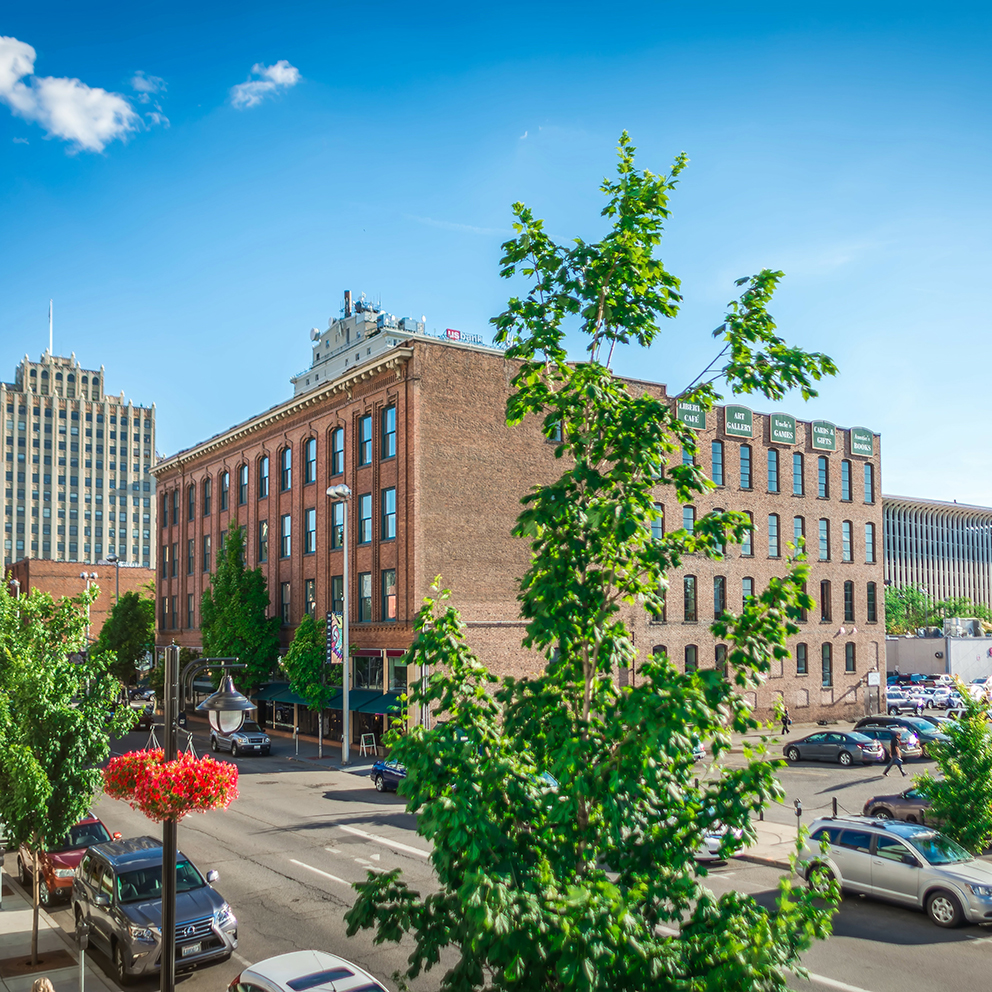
column 118, row 891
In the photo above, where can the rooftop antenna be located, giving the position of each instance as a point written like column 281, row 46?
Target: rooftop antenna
column 50, row 304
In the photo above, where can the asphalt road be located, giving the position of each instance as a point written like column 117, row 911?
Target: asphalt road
column 290, row 847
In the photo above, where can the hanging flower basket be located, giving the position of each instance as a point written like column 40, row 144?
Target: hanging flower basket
column 168, row 790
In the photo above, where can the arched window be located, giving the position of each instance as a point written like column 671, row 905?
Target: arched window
column 659, row 651
column 772, row 470
column 689, row 598
column 688, row 518
column 691, row 658
column 872, row 605
column 716, row 462
column 720, row 658
column 191, row 502
column 286, row 469
column 802, row 659
column 849, row 660
column 825, row 609
column 658, row 523
column 747, row 589
column 798, row 478
column 869, row 483
column 337, row 451
column 773, row 540
column 824, row 539
column 206, row 498
column 225, row 489
column 870, row 544
column 662, row 606
column 310, row 460
column 747, row 543
column 849, row 602
column 745, row 466
column 242, row 485
column 263, row 477
column 823, row 477
column 846, row 550
column 845, row 481
column 798, row 531
column 828, row 664
column 719, row 595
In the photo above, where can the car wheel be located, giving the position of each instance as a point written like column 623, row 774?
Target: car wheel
column 845, row 758
column 213, row 744
column 881, row 813
column 44, row 895
column 120, row 969
column 792, row 754
column 944, row 909
column 819, row 879
column 235, row 752
column 885, row 754
column 22, row 872
column 380, row 785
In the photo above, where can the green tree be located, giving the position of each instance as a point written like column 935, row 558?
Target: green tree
column 156, row 677
column 128, row 634
column 234, row 615
column 309, row 674
column 591, row 882
column 906, row 608
column 961, row 799
column 54, row 720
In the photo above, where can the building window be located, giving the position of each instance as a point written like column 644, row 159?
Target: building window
column 688, row 518
column 845, row 541
column 337, row 594
column 745, row 466
column 337, row 451
column 824, row 539
column 870, row 544
column 263, row 477
column 747, row 543
column 286, row 469
column 365, row 518
column 309, row 596
column 387, row 507
column 389, row 594
column 869, row 483
column 662, row 606
column 309, row 531
column 849, row 602
column 206, row 497
column 310, row 460
column 747, row 590
column 206, row 552
column 718, row 544
column 165, row 503
column 165, row 561
column 720, row 659
column 658, row 522
column 845, row 481
column 803, row 613
column 772, row 471
column 849, row 661
column 659, row 651
column 364, row 597
column 337, row 526
column 689, row 598
column 175, row 559
column 872, row 612
column 190, row 611
column 263, row 540
column 388, row 442
column 691, row 658
column 828, row 665
column 716, row 464
column 773, row 542
column 688, row 458
column 285, row 601
column 285, row 535
column 242, row 485
column 802, row 659
column 191, row 503
column 825, row 607
column 164, row 613
column 798, row 476
column 190, row 557
column 823, row 477
column 719, row 595
column 365, row 440
column 175, row 612
column 225, row 489
column 175, row 507
column 798, row 531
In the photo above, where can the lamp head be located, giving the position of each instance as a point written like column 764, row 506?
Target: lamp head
column 226, row 708
column 339, row 492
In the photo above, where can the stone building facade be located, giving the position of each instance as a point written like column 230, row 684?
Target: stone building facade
column 418, row 433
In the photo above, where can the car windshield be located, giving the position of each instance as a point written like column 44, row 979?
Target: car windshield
column 919, row 723
column 250, row 727
column 83, row 835
column 146, row 883
column 858, row 738
column 938, row 849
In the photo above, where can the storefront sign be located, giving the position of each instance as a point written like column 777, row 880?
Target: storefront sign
column 862, row 442
column 782, row 428
column 738, row 421
column 824, row 436
column 335, row 639
column 691, row 414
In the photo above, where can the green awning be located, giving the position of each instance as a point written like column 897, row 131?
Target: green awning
column 385, row 703
column 269, row 691
column 359, row 700
column 279, row 692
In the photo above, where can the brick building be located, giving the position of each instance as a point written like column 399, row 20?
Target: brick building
column 64, row 578
column 417, row 431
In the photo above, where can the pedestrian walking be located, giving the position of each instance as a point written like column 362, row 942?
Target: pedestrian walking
column 786, row 721
column 895, row 758
column 42, row 985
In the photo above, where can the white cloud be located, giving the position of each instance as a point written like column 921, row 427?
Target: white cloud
column 145, row 86
column 272, row 79
column 21, row 141
column 89, row 117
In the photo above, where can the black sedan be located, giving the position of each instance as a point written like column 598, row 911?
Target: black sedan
column 830, row 745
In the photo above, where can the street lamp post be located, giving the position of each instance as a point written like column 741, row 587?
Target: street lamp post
column 343, row 493
column 117, row 576
column 226, row 710
column 16, row 583
column 88, row 577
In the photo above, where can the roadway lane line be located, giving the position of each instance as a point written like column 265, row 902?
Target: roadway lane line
column 317, row 871
column 834, row 983
column 384, row 840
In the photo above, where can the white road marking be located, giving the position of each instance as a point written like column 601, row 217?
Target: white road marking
column 317, row 871
column 241, row 959
column 333, row 850
column 835, row 984
column 384, row 840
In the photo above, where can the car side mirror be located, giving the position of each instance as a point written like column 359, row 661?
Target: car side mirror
column 101, row 899
column 117, row 835
column 212, row 876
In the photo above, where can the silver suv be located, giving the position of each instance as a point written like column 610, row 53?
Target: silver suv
column 905, row 863
column 250, row 739
column 118, row 891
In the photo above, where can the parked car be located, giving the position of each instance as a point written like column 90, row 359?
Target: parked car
column 712, row 845
column 387, row 775
column 118, row 892
column 922, row 727
column 299, row 971
column 827, row 745
column 250, row 739
column 141, row 692
column 909, row 743
column 910, row 805
column 58, row 864
column 899, row 702
column 905, row 863
column 146, row 716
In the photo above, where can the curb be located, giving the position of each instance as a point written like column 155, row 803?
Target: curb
column 757, row 859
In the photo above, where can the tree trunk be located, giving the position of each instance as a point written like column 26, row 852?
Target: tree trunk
column 35, row 901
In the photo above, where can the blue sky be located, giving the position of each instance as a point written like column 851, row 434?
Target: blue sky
column 192, row 229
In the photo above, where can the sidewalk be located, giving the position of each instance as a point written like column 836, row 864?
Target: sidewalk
column 54, row 946
column 775, row 844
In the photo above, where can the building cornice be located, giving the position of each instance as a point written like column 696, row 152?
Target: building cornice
column 395, row 359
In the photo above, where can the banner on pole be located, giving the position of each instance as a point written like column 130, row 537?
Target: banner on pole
column 335, row 639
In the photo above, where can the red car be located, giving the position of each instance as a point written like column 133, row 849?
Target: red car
column 58, row 865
